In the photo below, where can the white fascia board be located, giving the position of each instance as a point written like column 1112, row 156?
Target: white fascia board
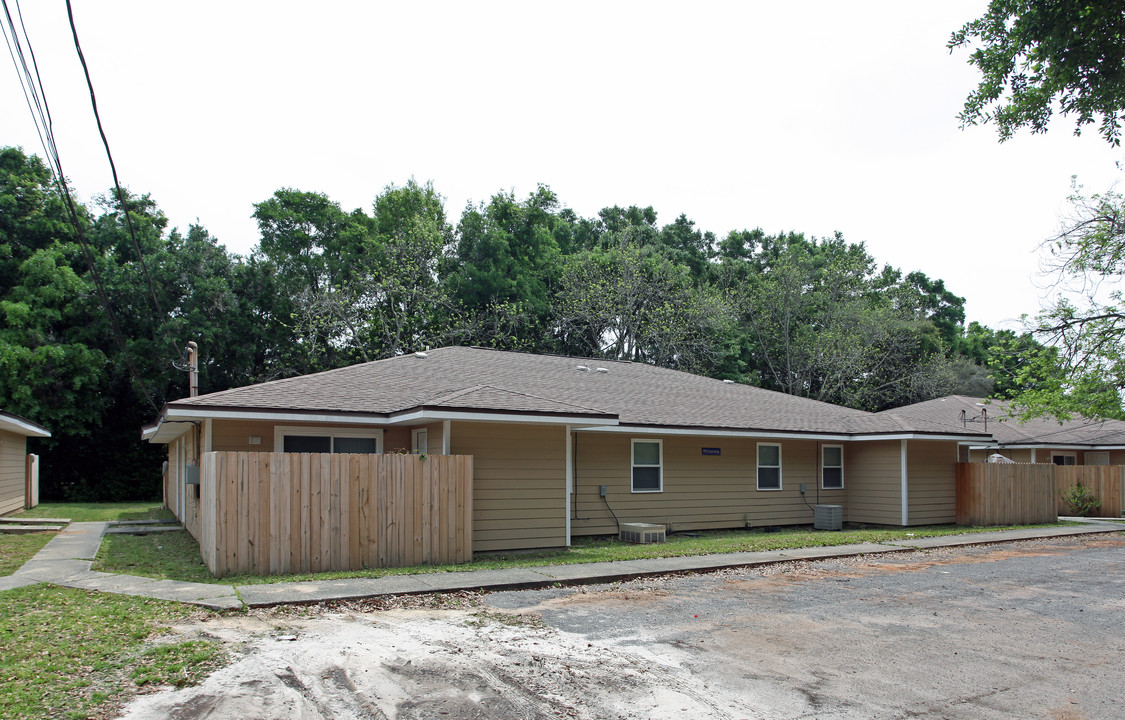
column 401, row 419
column 21, row 427
column 704, row 432
column 210, row 414
column 530, row 419
column 1051, row 446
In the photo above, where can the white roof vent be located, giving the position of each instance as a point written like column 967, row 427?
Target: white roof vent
column 603, row 370
column 584, row 368
column 421, row 355
column 729, row 382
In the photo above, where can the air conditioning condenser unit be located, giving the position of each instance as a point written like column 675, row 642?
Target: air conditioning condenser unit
column 642, row 533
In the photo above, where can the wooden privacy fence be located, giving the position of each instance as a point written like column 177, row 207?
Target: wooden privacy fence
column 1019, row 493
column 271, row 513
column 1105, row 482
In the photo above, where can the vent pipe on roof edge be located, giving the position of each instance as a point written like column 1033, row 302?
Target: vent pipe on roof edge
column 421, row 354
column 729, row 382
column 193, row 368
column 603, row 370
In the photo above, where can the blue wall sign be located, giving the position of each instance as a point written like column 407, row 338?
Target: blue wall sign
column 711, row 451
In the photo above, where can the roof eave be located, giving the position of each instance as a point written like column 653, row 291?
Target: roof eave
column 22, row 426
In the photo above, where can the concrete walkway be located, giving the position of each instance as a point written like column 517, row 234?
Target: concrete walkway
column 66, row 561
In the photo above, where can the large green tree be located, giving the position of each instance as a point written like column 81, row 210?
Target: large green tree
column 1037, row 57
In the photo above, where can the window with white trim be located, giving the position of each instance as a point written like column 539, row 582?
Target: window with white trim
column 769, row 466
column 648, row 471
column 832, row 467
column 361, row 441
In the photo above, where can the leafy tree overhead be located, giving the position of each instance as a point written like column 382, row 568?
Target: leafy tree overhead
column 1085, row 325
column 503, row 268
column 634, row 304
column 1039, row 56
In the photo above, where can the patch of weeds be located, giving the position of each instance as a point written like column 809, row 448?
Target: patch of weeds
column 67, row 652
column 178, row 664
column 520, row 620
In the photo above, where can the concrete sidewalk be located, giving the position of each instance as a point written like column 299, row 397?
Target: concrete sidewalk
column 67, row 558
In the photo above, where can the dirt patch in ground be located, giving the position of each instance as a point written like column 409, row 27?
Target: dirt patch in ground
column 347, row 662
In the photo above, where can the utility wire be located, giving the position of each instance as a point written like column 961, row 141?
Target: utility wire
column 32, row 86
column 120, row 193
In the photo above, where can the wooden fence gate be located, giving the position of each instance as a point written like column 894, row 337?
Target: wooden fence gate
column 272, row 513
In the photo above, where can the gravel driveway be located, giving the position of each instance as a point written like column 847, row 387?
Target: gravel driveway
column 1023, row 630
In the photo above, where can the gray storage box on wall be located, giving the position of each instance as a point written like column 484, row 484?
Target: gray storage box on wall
column 828, row 517
column 191, row 474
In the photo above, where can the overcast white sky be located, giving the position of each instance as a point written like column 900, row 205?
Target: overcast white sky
column 811, row 116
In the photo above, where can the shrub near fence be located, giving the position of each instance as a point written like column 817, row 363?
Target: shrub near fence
column 1105, row 482
column 272, row 513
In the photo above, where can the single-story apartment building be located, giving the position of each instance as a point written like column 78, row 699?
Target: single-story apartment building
column 566, row 446
column 19, row 472
column 1078, row 441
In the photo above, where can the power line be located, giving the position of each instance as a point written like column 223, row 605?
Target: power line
column 117, row 185
column 32, row 86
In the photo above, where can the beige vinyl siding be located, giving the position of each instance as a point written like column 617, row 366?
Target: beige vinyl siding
column 234, row 435
column 1043, row 455
column 189, row 515
column 13, row 472
column 1016, row 455
column 1019, row 455
column 519, row 483
column 700, row 491
column 932, row 477
column 873, row 478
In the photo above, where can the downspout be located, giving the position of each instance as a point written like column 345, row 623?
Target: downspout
column 569, row 480
column 905, row 499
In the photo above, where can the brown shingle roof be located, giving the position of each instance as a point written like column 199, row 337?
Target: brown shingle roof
column 1006, row 429
column 467, row 378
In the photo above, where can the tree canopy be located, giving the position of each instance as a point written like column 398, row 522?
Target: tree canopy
column 1037, row 57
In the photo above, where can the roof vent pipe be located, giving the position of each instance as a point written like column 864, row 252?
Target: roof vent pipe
column 603, row 370
column 193, row 368
column 583, row 368
column 729, row 382
column 421, row 354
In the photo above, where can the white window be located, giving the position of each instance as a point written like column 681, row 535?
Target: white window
column 648, row 472
column 832, row 467
column 1096, row 458
column 1064, row 458
column 769, row 466
column 327, row 440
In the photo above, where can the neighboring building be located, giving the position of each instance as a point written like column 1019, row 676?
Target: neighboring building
column 1078, row 441
column 19, row 472
column 550, row 434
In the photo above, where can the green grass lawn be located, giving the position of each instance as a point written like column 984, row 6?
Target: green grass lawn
column 15, row 550
column 95, row 512
column 65, row 652
column 175, row 556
